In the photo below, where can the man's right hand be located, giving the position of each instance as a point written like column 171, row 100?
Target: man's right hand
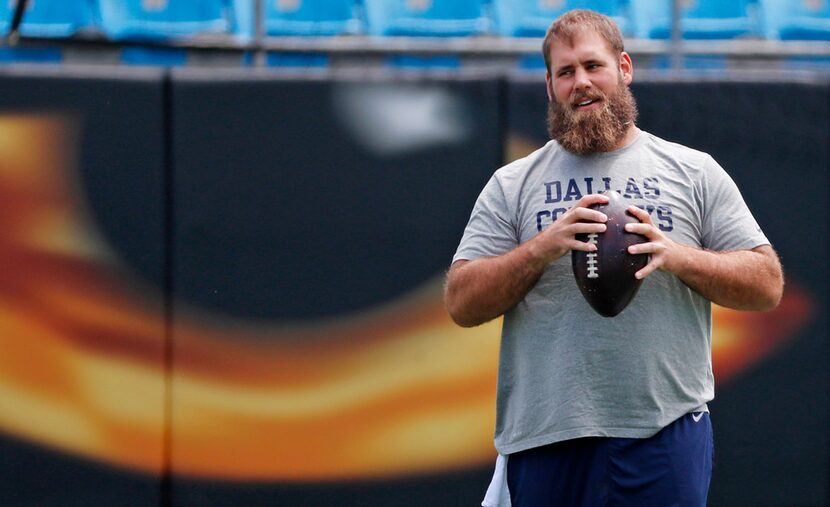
column 481, row 290
column 560, row 237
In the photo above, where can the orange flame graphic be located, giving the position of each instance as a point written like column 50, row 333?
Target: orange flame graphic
column 396, row 390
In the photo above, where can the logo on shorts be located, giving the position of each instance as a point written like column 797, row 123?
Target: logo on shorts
column 697, row 417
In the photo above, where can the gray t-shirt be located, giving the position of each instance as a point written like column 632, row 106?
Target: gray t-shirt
column 564, row 371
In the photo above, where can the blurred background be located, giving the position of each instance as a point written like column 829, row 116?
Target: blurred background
column 225, row 226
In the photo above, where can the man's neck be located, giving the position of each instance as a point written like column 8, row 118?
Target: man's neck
column 628, row 138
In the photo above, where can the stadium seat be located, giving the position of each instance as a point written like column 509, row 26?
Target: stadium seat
column 156, row 57
column 161, row 19
column 531, row 18
column 48, row 18
column 311, row 17
column 700, row 19
column 297, row 60
column 416, row 62
column 298, row 17
column 242, row 19
column 796, row 19
column 30, row 55
column 444, row 18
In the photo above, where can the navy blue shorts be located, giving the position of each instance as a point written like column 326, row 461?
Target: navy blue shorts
column 671, row 468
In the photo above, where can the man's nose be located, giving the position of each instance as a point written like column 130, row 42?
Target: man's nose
column 581, row 80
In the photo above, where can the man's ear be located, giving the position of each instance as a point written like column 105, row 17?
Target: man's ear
column 549, row 85
column 626, row 68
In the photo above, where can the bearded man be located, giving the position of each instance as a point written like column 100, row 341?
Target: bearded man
column 593, row 411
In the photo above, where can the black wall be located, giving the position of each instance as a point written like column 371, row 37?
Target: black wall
column 250, row 195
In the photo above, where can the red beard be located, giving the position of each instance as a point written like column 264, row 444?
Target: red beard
column 597, row 130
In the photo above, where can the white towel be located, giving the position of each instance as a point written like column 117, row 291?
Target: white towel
column 497, row 493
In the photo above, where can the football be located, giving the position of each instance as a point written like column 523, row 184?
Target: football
column 606, row 276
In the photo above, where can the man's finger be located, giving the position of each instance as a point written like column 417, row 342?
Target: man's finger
column 642, row 248
column 589, row 214
column 640, row 214
column 586, row 228
column 575, row 244
column 592, row 199
column 642, row 228
column 649, row 269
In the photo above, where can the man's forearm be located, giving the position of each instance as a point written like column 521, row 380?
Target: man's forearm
column 742, row 280
column 480, row 290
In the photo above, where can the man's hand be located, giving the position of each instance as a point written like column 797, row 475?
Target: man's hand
column 480, row 290
column 659, row 246
column 741, row 279
column 560, row 237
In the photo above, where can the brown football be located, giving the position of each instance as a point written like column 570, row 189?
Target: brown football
column 606, row 277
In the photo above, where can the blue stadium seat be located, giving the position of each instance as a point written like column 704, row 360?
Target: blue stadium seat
column 708, row 63
column 49, row 18
column 161, row 19
column 311, row 17
column 298, row 17
column 30, row 55
column 156, row 57
column 242, row 19
column 447, row 18
column 415, row 62
column 297, row 60
column 700, row 19
column 531, row 18
column 796, row 19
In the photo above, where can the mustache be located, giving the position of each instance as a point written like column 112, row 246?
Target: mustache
column 581, row 96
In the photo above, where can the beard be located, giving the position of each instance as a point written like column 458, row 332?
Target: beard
column 597, row 130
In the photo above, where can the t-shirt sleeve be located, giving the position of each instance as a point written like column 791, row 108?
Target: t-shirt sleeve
column 491, row 231
column 728, row 223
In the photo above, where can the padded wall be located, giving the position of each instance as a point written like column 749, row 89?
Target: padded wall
column 82, row 324
column 290, row 233
column 314, row 219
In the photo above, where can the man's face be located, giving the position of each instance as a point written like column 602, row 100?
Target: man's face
column 591, row 107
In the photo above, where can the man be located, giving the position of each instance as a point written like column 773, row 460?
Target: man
column 591, row 410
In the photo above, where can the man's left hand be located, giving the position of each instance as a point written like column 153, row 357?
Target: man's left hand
column 659, row 246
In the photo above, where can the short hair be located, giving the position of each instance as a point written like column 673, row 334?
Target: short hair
column 566, row 26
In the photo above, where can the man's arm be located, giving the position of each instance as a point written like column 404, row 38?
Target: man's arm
column 480, row 290
column 742, row 280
